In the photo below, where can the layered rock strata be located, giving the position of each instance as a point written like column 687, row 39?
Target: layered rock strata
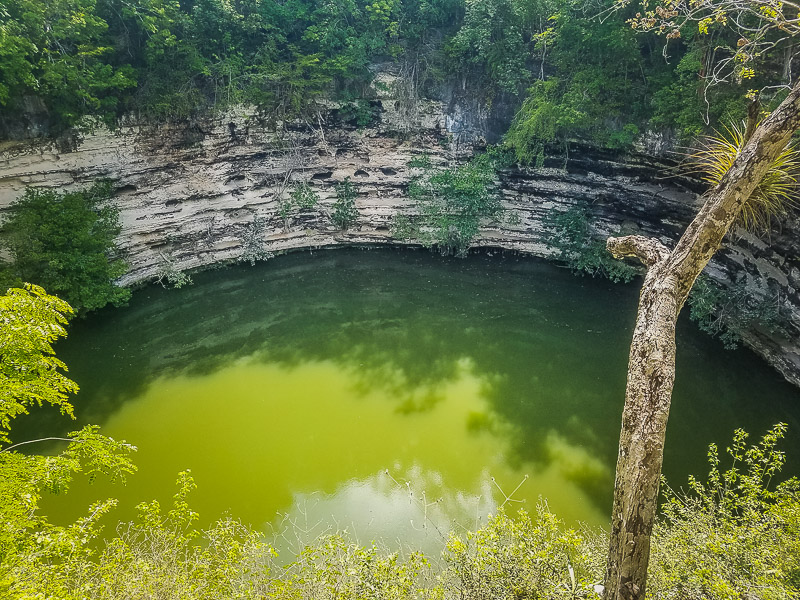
column 193, row 195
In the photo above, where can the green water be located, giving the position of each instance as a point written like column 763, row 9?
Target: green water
column 393, row 393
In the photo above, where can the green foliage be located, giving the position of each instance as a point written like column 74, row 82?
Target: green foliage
column 733, row 536
column 158, row 555
column 570, row 234
column 493, row 44
column 30, row 322
column 253, row 243
column 334, row 567
column 65, row 243
column 172, row 60
column 775, row 194
column 729, row 313
column 59, row 51
column 678, row 102
column 301, row 199
column 449, row 204
column 345, row 212
column 740, row 36
column 359, row 112
column 592, row 85
column 37, row 558
column 304, row 197
column 168, row 274
column 540, row 122
column 524, row 558
column 404, row 227
column 587, row 78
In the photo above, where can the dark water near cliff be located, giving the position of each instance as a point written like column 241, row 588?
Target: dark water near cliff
column 390, row 392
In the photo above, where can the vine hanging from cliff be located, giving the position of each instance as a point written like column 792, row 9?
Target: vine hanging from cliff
column 570, row 234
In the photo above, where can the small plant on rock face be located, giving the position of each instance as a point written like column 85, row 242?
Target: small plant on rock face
column 775, row 195
column 450, row 204
column 404, row 227
column 344, row 209
column 168, row 274
column 253, row 244
column 304, row 197
column 570, row 234
column 729, row 313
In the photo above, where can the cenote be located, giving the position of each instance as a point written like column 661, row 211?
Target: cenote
column 393, row 393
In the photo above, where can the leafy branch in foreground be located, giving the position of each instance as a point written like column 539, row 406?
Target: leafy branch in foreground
column 37, row 557
column 30, row 374
column 759, row 25
column 734, row 536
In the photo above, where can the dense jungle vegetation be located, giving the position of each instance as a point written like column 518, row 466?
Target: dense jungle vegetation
column 573, row 68
column 558, row 70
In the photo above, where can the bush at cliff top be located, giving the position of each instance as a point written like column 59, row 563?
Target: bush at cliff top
column 64, row 242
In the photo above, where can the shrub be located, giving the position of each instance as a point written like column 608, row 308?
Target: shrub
column 253, row 243
column 449, row 204
column 336, row 568
column 570, row 234
column 65, row 243
column 730, row 313
column 733, row 536
column 169, row 276
column 344, row 209
column 525, row 557
column 302, row 198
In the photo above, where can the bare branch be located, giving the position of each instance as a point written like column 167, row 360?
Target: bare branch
column 648, row 250
column 47, row 439
column 760, row 25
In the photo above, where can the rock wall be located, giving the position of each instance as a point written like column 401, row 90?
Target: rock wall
column 192, row 194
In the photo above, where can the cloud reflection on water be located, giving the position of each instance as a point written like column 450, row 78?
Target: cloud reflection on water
column 259, row 438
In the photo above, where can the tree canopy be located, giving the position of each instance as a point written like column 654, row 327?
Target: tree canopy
column 571, row 69
column 65, row 243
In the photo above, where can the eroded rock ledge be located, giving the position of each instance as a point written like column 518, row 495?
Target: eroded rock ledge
column 189, row 195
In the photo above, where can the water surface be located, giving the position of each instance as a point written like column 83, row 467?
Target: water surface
column 394, row 393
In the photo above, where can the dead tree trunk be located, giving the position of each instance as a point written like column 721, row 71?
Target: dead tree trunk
column 651, row 369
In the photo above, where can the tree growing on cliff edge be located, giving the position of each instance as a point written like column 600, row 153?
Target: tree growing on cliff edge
column 65, row 243
column 651, row 370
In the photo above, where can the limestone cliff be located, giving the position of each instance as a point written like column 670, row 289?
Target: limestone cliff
column 196, row 194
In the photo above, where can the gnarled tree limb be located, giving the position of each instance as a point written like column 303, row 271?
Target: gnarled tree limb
column 648, row 250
